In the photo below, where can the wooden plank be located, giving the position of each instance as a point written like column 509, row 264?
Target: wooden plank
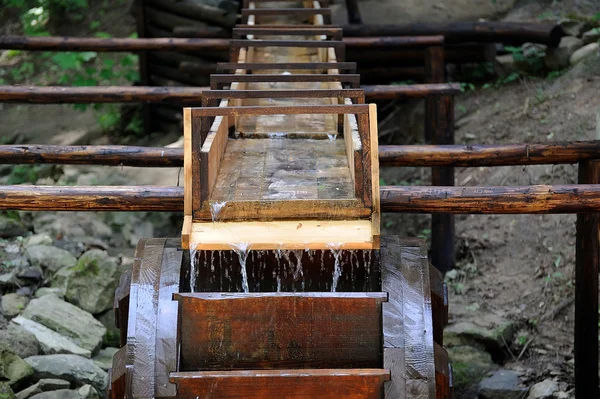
column 439, row 303
column 374, row 175
column 117, row 381
column 141, row 351
column 217, row 81
column 166, row 311
column 407, row 326
column 211, row 155
column 270, row 384
column 442, row 373
column 188, row 161
column 299, row 93
column 280, row 330
column 257, row 66
column 284, row 234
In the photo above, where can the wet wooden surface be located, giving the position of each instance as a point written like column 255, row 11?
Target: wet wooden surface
column 274, row 384
column 279, row 330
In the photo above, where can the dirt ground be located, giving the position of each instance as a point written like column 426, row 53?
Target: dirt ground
column 518, row 267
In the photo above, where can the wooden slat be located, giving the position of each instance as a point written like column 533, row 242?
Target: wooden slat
column 439, row 303
column 274, row 384
column 211, row 155
column 117, row 381
column 279, row 330
column 256, row 66
column 218, row 80
column 442, row 373
column 166, row 319
column 407, row 326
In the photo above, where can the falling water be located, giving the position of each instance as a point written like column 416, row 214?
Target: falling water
column 241, row 249
column 299, row 272
column 215, row 209
column 337, row 270
column 193, row 252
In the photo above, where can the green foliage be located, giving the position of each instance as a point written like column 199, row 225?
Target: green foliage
column 24, row 174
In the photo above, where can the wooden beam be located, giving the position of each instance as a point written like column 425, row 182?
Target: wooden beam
column 586, row 292
column 40, row 43
column 488, row 155
column 540, row 199
column 573, row 198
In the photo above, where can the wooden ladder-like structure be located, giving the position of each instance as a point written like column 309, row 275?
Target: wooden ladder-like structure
column 281, row 286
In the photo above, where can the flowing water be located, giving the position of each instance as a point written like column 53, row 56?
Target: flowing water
column 241, row 249
column 335, row 248
column 215, row 209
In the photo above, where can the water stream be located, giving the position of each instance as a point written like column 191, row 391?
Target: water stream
column 335, row 248
column 241, row 249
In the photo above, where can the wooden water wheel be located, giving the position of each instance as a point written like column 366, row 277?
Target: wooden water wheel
column 280, row 286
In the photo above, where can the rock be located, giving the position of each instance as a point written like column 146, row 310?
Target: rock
column 469, row 366
column 558, row 57
column 50, row 341
column 49, row 291
column 52, row 258
column 33, row 274
column 6, row 392
column 12, row 368
column 13, row 304
column 543, row 390
column 70, row 224
column 104, row 358
column 113, row 334
column 91, row 284
column 11, row 279
column 10, row 227
column 43, row 385
column 490, row 332
column 505, row 65
column 503, row 384
column 591, row 36
column 60, row 394
column 67, row 320
column 88, row 392
column 583, row 53
column 23, row 343
column 574, row 28
column 562, row 395
column 75, row 369
column 37, row 239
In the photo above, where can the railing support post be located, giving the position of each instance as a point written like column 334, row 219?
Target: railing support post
column 140, row 18
column 439, row 129
column 586, row 292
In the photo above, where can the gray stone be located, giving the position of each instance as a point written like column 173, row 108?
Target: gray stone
column 37, row 239
column 11, row 279
column 543, row 390
column 43, row 385
column 60, row 394
column 10, row 227
column 70, row 224
column 13, row 369
column 505, row 65
column 49, row 291
column 489, row 332
column 591, row 36
column 574, row 28
column 6, row 392
column 113, row 334
column 503, row 384
column 50, row 257
column 469, row 366
column 91, row 284
column 66, row 319
column 558, row 57
column 88, row 392
column 75, row 369
column 13, row 304
column 23, row 343
column 50, row 341
column 104, row 358
column 585, row 52
column 33, row 273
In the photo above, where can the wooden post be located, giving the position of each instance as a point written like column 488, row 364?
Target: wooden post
column 586, row 292
column 143, row 62
column 353, row 12
column 439, row 129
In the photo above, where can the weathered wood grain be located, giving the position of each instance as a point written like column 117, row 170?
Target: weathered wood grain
column 280, row 330
column 297, row 384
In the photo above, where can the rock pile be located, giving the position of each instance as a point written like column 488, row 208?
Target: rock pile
column 56, row 322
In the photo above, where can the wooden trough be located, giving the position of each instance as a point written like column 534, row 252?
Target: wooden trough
column 280, row 285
